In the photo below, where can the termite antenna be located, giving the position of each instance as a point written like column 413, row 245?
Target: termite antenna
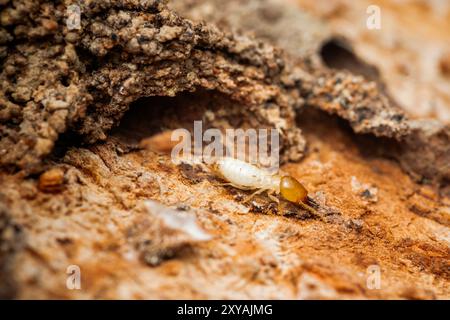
column 310, row 209
column 312, row 202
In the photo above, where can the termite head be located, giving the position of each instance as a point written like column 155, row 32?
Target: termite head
column 292, row 190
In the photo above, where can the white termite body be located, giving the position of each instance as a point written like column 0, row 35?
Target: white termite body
column 244, row 175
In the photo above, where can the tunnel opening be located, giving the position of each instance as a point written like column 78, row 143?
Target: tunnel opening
column 151, row 121
column 337, row 54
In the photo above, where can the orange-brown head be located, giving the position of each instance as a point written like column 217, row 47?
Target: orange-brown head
column 292, row 190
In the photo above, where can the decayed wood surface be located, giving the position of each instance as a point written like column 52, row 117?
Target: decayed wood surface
column 82, row 184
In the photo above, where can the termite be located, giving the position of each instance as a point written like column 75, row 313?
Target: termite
column 245, row 176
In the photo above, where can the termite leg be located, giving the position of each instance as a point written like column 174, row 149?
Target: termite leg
column 310, row 209
column 254, row 194
column 273, row 198
column 270, row 194
column 312, row 202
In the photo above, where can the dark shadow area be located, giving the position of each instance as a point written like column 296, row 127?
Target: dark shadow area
column 151, row 115
column 337, row 54
column 321, row 124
